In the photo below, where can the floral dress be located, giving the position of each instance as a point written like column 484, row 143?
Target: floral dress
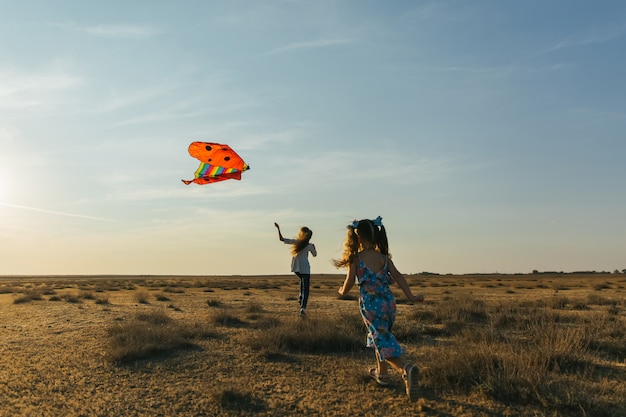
column 378, row 309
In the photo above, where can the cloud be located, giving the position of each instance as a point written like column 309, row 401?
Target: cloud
column 501, row 70
column 320, row 43
column 156, row 117
column 593, row 36
column 20, row 90
column 176, row 191
column 119, row 100
column 426, row 11
column 120, row 31
column 59, row 213
column 399, row 167
column 207, row 98
column 282, row 137
column 437, row 11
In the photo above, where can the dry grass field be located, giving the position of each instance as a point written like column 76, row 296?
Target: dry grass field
column 486, row 345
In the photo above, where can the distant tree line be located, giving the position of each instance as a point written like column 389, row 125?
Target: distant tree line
column 617, row 271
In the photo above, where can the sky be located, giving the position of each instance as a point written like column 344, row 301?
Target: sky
column 489, row 135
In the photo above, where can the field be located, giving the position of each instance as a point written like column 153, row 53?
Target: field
column 487, row 345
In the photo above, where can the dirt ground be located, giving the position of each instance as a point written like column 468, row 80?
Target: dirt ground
column 53, row 350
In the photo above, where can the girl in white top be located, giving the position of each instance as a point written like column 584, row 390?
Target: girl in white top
column 300, row 262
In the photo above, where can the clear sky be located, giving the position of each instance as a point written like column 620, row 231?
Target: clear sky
column 490, row 135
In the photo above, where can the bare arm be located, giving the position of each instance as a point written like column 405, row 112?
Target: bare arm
column 404, row 286
column 280, row 236
column 313, row 250
column 349, row 282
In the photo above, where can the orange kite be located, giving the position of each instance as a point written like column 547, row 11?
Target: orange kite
column 218, row 162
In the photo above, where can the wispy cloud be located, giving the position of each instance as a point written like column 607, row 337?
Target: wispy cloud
column 119, row 100
column 505, row 69
column 594, row 36
column 425, row 12
column 396, row 166
column 120, row 31
column 437, row 11
column 315, row 44
column 280, row 137
column 183, row 112
column 158, row 117
column 58, row 213
column 20, row 90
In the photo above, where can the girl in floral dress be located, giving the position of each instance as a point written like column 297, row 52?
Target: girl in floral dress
column 366, row 255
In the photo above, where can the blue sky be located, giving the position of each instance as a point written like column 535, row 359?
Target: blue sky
column 489, row 135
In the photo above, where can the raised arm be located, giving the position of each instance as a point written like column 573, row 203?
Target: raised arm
column 280, row 236
column 349, row 281
column 404, row 286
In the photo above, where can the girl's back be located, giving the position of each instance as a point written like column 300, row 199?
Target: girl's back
column 373, row 260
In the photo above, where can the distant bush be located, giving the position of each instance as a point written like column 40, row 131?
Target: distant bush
column 71, row 298
column 86, row 295
column 151, row 334
column 32, row 295
column 161, row 297
column 141, row 297
column 102, row 299
column 48, row 291
column 601, row 287
column 7, row 289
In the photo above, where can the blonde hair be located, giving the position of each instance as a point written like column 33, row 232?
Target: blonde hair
column 302, row 241
column 368, row 233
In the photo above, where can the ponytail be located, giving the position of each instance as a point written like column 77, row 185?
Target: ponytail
column 382, row 243
column 371, row 231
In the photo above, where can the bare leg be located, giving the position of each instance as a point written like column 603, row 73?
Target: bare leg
column 410, row 375
column 383, row 366
column 397, row 363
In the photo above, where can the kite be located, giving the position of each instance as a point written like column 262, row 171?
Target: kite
column 217, row 163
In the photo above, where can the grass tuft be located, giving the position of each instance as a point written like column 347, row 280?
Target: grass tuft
column 149, row 335
column 214, row 303
column 28, row 296
column 141, row 297
column 522, row 354
column 226, row 319
column 235, row 400
column 339, row 334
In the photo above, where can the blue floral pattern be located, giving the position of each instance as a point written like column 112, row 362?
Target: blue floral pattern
column 378, row 309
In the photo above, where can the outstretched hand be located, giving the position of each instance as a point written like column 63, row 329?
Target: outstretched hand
column 417, row 298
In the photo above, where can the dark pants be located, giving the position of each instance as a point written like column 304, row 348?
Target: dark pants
column 305, row 282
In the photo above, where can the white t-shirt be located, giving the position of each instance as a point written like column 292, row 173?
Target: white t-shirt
column 300, row 261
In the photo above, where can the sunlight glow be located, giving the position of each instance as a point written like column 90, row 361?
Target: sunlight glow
column 5, row 187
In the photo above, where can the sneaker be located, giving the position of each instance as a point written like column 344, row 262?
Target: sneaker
column 411, row 376
column 302, row 313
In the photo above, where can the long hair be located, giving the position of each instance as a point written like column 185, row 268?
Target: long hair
column 369, row 235
column 302, row 241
